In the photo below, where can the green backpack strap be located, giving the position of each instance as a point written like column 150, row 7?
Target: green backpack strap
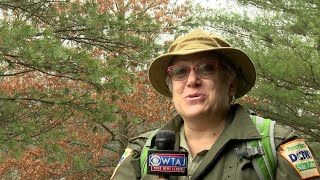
column 266, row 164
column 144, row 154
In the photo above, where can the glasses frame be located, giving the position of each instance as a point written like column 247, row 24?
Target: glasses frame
column 195, row 68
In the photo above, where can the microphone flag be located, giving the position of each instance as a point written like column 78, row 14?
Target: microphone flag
column 167, row 162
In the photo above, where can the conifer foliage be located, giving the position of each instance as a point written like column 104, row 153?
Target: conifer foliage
column 66, row 69
column 283, row 39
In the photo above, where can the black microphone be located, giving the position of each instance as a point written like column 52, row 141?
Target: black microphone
column 164, row 161
column 165, row 140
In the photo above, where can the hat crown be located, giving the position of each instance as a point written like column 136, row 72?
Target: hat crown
column 198, row 39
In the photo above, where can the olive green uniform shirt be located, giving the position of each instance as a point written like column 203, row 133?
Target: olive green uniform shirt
column 220, row 161
column 193, row 162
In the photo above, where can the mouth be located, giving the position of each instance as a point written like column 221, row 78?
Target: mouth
column 195, row 96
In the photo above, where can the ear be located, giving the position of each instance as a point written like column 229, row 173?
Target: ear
column 232, row 87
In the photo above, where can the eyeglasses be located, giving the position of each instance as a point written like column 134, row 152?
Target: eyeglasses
column 181, row 72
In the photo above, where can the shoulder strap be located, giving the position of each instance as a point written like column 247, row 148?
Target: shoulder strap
column 266, row 164
column 144, row 154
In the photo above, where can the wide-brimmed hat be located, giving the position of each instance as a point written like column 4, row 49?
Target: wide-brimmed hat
column 200, row 41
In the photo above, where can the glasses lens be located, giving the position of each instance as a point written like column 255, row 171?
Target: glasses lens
column 206, row 70
column 178, row 72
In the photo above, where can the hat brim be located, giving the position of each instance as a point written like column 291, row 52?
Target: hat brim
column 245, row 78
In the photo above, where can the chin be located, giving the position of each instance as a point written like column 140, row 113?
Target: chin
column 192, row 113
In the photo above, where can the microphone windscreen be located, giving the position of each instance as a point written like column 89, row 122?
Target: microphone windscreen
column 165, row 140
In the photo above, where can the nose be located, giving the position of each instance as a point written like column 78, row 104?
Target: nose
column 193, row 79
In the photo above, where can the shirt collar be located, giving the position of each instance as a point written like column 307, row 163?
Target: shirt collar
column 239, row 126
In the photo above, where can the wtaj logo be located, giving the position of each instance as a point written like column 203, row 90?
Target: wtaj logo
column 168, row 162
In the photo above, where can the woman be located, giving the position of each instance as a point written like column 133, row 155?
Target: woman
column 203, row 74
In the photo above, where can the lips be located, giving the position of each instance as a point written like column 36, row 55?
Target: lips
column 195, row 96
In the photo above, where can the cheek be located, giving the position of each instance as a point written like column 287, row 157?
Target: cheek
column 177, row 88
column 219, row 90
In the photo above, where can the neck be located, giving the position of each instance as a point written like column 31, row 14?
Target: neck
column 202, row 133
column 199, row 129
column 206, row 122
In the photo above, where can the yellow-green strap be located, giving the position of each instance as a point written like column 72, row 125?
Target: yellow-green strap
column 144, row 154
column 265, row 165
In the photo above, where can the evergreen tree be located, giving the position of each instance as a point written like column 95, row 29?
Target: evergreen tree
column 63, row 66
column 283, row 40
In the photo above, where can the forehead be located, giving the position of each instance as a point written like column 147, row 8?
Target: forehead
column 196, row 58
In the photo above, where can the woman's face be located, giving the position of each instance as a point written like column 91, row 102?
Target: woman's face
column 196, row 97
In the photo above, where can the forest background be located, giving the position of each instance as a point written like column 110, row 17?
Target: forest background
column 74, row 89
